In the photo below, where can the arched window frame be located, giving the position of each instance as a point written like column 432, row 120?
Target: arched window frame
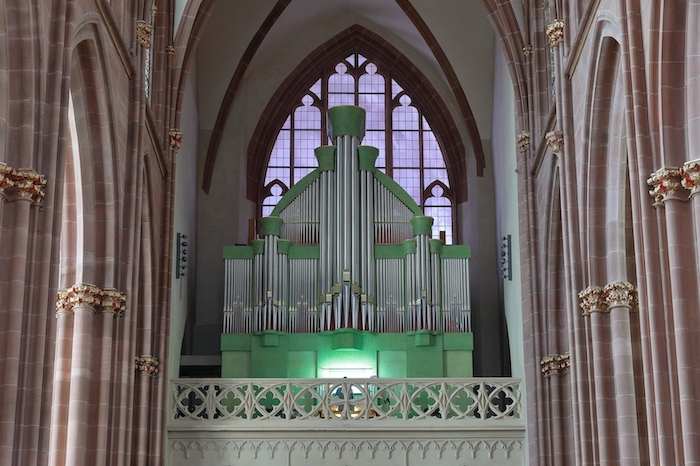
column 322, row 63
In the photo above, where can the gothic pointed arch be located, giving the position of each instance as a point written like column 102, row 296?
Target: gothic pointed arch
column 93, row 160
column 356, row 40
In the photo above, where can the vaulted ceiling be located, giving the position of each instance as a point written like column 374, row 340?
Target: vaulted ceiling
column 452, row 43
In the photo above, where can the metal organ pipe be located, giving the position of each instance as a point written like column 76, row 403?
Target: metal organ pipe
column 346, row 211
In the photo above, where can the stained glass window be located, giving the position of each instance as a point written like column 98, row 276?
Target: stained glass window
column 409, row 152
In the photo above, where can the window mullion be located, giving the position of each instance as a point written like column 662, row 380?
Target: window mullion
column 388, row 128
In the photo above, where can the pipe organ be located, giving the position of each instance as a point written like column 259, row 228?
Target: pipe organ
column 346, row 248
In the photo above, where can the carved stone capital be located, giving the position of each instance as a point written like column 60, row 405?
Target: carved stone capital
column 523, row 141
column 555, row 32
column 175, row 139
column 113, row 301
column 87, row 295
column 147, row 365
column 22, row 183
column 144, row 31
column 665, row 184
column 84, row 295
column 592, row 299
column 555, row 140
column 690, row 176
column 555, row 364
column 620, row 294
column 527, row 52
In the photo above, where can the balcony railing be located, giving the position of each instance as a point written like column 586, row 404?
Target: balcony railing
column 233, row 401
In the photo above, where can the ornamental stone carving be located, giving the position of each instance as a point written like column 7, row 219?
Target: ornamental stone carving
column 620, row 294
column 555, row 364
column 592, row 300
column 665, row 184
column 555, row 141
column 555, row 32
column 21, row 183
column 113, row 301
column 87, row 295
column 690, row 176
column 144, row 31
column 523, row 141
column 527, row 52
column 170, row 51
column 147, row 365
column 175, row 139
column 613, row 295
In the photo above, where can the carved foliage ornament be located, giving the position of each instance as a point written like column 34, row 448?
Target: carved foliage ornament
column 527, row 51
column 665, row 183
column 690, row 176
column 555, row 364
column 555, row 32
column 144, row 32
column 86, row 295
column 617, row 294
column 175, row 139
column 523, row 141
column 147, row 365
column 21, row 183
column 555, row 140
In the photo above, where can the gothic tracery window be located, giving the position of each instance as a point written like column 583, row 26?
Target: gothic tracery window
column 409, row 151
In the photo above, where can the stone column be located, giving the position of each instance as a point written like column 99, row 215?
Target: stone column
column 84, row 300
column 61, row 381
column 147, row 368
column 112, row 305
column 595, row 309
column 682, row 285
column 621, row 298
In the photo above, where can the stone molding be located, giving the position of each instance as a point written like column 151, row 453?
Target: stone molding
column 690, row 176
column 665, row 184
column 175, row 139
column 87, row 295
column 21, row 183
column 555, row 33
column 555, row 364
column 147, row 365
column 144, row 31
column 602, row 299
column 374, row 448
column 555, row 141
column 523, row 141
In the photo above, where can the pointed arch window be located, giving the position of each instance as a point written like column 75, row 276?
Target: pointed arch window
column 409, row 150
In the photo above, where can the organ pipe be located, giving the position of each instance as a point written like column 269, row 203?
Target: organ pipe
column 346, row 247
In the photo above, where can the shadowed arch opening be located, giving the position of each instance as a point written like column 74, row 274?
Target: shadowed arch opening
column 605, row 119
column 88, row 239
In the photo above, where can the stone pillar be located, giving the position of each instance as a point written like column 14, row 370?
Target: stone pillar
column 147, row 368
column 595, row 309
column 61, row 381
column 684, row 331
column 112, row 305
column 621, row 299
column 84, row 299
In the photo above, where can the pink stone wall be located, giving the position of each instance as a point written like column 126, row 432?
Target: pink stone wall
column 71, row 392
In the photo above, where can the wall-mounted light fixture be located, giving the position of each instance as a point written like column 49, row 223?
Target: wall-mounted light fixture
column 506, row 259
column 181, row 255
